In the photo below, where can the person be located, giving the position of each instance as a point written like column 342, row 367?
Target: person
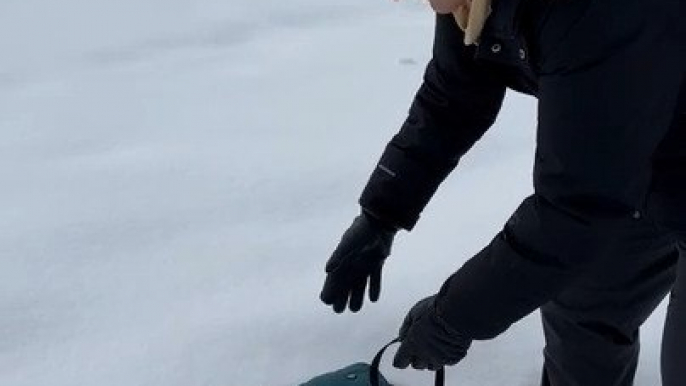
column 598, row 244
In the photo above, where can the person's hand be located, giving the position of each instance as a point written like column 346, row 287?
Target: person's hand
column 449, row 6
column 427, row 341
column 358, row 259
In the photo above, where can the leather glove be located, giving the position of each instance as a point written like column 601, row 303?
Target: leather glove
column 427, row 341
column 358, row 259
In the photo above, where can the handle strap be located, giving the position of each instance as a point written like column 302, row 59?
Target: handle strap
column 374, row 372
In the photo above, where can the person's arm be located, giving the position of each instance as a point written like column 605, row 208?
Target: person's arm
column 457, row 102
column 455, row 105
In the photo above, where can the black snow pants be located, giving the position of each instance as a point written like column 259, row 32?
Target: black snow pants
column 592, row 329
column 674, row 339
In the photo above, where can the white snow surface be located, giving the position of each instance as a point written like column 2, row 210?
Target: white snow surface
column 176, row 173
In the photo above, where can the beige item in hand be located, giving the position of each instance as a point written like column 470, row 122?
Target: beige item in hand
column 471, row 18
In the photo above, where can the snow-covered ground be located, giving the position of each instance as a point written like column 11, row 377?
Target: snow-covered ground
column 175, row 174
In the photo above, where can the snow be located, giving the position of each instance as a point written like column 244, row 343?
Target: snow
column 175, row 174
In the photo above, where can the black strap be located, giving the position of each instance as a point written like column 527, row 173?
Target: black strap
column 374, row 371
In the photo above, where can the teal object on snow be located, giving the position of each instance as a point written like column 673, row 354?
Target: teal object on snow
column 362, row 374
column 358, row 374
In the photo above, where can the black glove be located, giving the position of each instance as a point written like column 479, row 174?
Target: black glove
column 427, row 341
column 359, row 257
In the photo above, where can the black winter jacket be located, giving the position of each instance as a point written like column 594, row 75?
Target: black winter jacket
column 610, row 147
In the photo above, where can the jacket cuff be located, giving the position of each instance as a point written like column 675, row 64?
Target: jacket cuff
column 399, row 188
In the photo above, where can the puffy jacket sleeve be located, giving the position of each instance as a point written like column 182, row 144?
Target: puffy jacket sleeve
column 457, row 102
